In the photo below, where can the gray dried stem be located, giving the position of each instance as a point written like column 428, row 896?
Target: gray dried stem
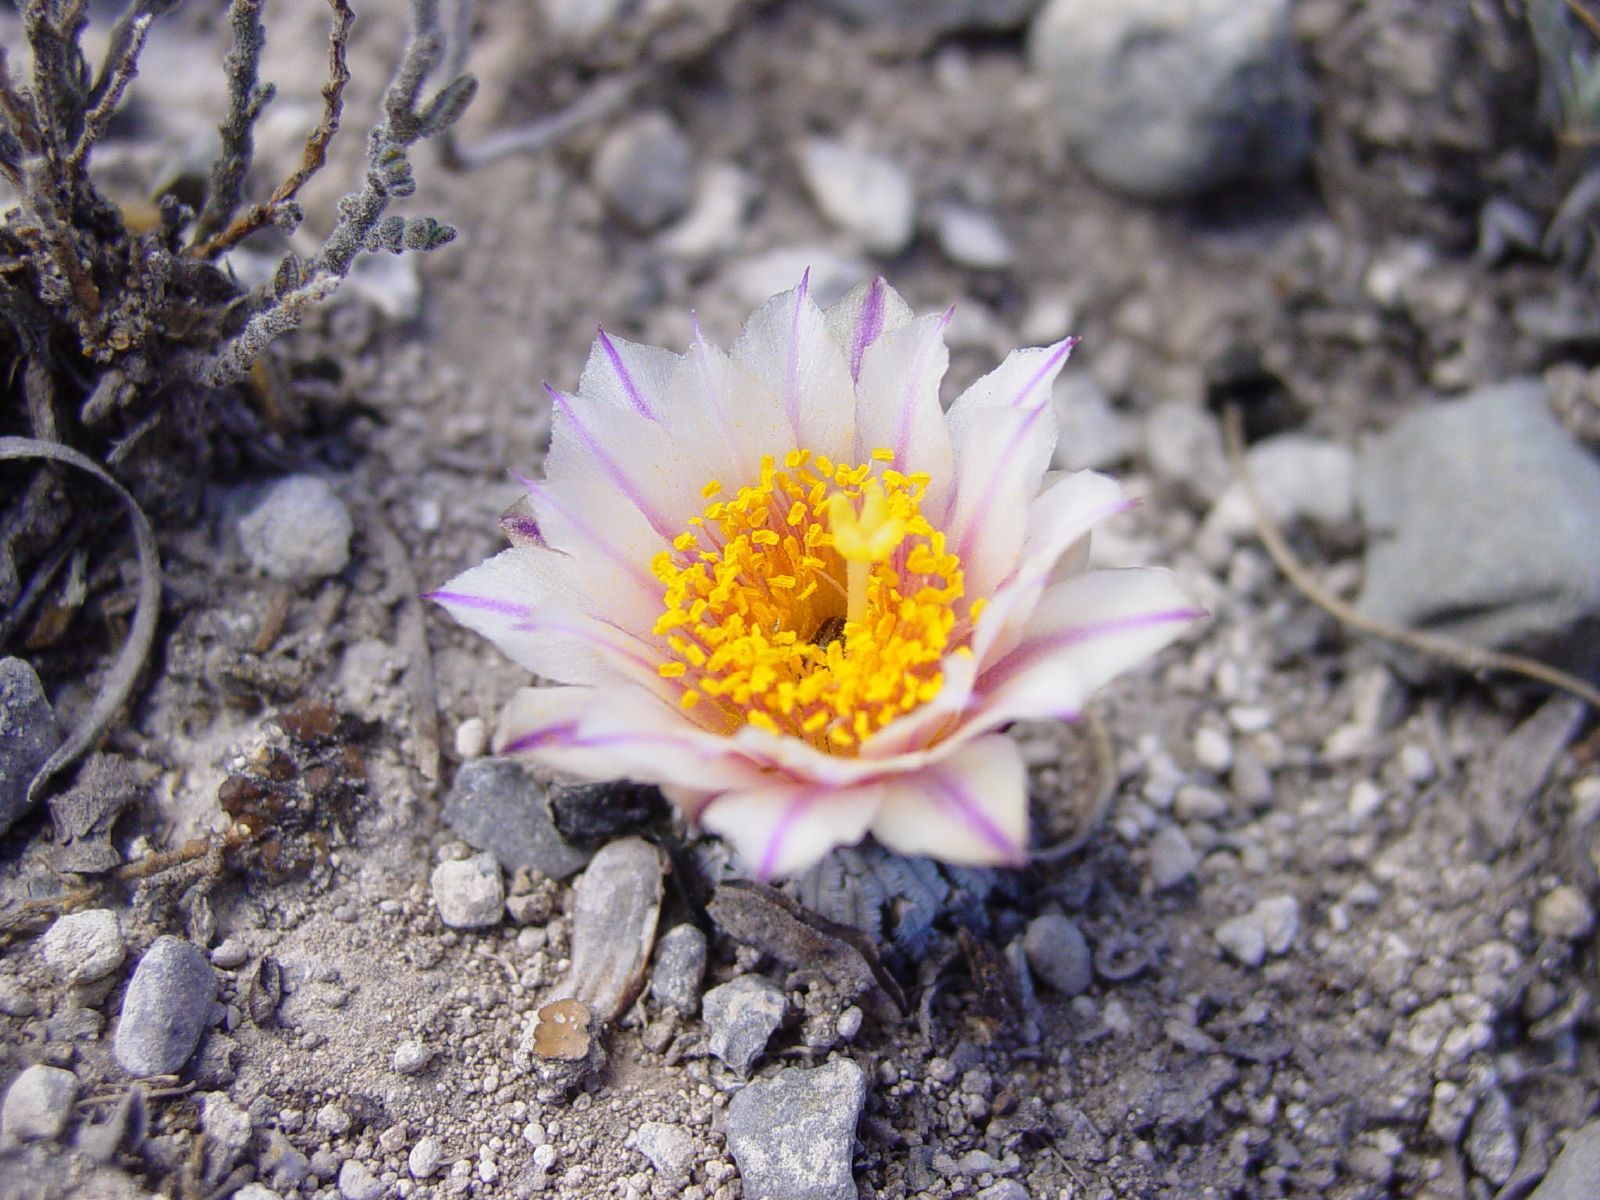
column 247, row 96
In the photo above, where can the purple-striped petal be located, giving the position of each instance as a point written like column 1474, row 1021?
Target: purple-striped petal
column 781, row 829
column 970, row 808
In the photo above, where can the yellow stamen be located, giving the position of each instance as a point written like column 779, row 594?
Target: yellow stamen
column 817, row 602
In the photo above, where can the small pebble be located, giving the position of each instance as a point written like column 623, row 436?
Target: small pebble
column 300, row 530
column 333, row 1120
column 37, row 1105
column 741, row 1015
column 16, row 1000
column 167, row 1007
column 230, row 955
column 412, row 1057
column 863, row 193
column 1059, row 954
column 1366, row 798
column 469, row 894
column 1213, row 749
column 29, row 734
column 792, row 1135
column 849, row 1023
column 645, row 170
column 972, row 238
column 1564, row 912
column 472, row 738
column 257, row 1191
column 357, row 1182
column 1172, row 858
column 1491, row 1143
column 670, row 1149
column 1280, row 922
column 84, row 946
column 1243, row 938
column 425, row 1157
column 679, row 968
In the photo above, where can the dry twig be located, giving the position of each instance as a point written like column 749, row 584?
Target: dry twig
column 1468, row 657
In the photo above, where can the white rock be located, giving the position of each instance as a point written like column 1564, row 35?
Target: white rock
column 1565, row 913
column 357, row 1182
column 472, row 738
column 1172, row 857
column 470, row 893
column 37, row 1105
column 972, row 238
column 863, row 193
column 300, row 530
column 670, row 1148
column 1297, row 478
column 425, row 1157
column 257, row 1191
column 715, row 220
column 1243, row 938
column 1279, row 917
column 84, row 946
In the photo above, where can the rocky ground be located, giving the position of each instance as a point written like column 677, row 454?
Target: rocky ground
column 1335, row 935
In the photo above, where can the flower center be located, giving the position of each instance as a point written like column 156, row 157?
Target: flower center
column 818, row 602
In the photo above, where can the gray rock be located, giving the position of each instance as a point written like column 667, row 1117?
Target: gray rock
column 1482, row 516
column 300, row 530
column 257, row 1191
column 284, row 1166
column 670, row 1149
column 84, row 946
column 28, row 736
column 645, row 170
column 357, row 1182
column 1279, row 918
column 792, row 1135
column 166, row 1008
column 227, row 1128
column 1172, row 857
column 230, row 954
column 494, row 805
column 1006, row 1189
column 1564, row 913
column 929, row 17
column 37, row 1105
column 1166, row 99
column 1491, row 1143
column 1058, row 954
column 863, row 193
column 469, row 894
column 741, row 1015
column 972, row 238
column 679, row 968
column 1572, row 1175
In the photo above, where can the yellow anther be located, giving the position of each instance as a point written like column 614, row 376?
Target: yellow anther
column 883, row 454
column 711, row 489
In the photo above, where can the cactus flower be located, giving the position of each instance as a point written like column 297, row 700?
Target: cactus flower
column 789, row 587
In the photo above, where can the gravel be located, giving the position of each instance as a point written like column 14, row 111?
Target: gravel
column 300, row 530
column 425, row 1157
column 1481, row 521
column 867, row 195
column 37, row 1105
column 496, row 806
column 167, row 1007
column 937, row 16
column 645, row 171
column 469, row 893
column 1059, row 954
column 1166, row 99
column 1272, row 925
column 1491, row 1143
column 28, row 736
column 680, row 966
column 357, row 1182
column 742, row 1015
column 84, row 946
column 412, row 1057
column 1297, row 478
column 792, row 1135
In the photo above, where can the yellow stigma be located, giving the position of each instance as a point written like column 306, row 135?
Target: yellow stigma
column 817, row 602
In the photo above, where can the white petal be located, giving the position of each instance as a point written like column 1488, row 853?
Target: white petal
column 786, row 828
column 620, row 733
column 1085, row 631
column 627, row 376
column 863, row 315
column 897, row 405
column 509, row 599
column 1003, row 430
column 970, row 808
column 785, row 347
column 1059, row 520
